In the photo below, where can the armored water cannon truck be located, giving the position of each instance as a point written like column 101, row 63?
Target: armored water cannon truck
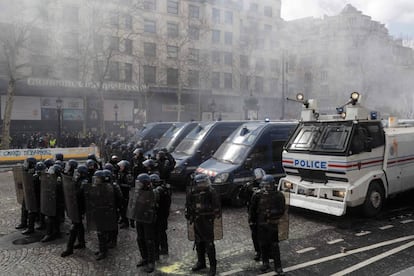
column 346, row 159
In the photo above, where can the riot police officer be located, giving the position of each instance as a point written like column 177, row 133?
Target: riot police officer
column 202, row 209
column 150, row 167
column 92, row 167
column 73, row 181
column 267, row 207
column 164, row 165
column 163, row 212
column 125, row 182
column 246, row 193
column 40, row 169
column 137, row 159
column 94, row 158
column 142, row 208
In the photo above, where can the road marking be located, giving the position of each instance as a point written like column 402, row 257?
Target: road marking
column 304, row 250
column 407, row 221
column 386, row 227
column 362, row 233
column 374, row 259
column 231, row 272
column 341, row 255
column 335, row 241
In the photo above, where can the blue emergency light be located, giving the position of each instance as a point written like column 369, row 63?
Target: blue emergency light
column 374, row 115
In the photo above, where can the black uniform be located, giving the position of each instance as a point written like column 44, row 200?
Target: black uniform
column 202, row 208
column 267, row 207
column 125, row 182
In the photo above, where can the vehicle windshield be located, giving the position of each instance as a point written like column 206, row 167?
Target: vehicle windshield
column 235, row 149
column 191, row 142
column 326, row 137
column 168, row 136
column 144, row 130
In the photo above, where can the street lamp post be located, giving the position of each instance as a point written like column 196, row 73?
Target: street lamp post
column 116, row 113
column 212, row 107
column 59, row 118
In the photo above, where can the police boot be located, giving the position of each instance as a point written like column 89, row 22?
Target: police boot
column 23, row 219
column 211, row 253
column 102, row 247
column 201, row 261
column 49, row 231
column 265, row 266
column 42, row 224
column 132, row 223
column 30, row 227
column 150, row 267
column 279, row 271
column 81, row 238
column 70, row 244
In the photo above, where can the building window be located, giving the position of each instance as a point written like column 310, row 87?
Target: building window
column 40, row 66
column 150, row 5
column 113, row 71
column 194, row 78
column 126, row 72
column 150, row 26
column 215, row 36
column 194, row 55
column 228, row 80
column 70, row 14
column 150, row 49
column 244, row 62
column 149, row 74
column 194, row 33
column 228, row 38
column 244, row 83
column 38, row 40
column 254, row 7
column 71, row 69
column 259, row 64
column 228, row 58
column 114, row 43
column 274, row 66
column 258, row 84
column 215, row 80
column 194, row 11
column 71, row 42
column 228, row 18
column 172, row 76
column 172, row 6
column 128, row 21
column 268, row 28
column 172, row 30
column 172, row 52
column 268, row 11
column 128, row 47
column 216, row 16
column 215, row 57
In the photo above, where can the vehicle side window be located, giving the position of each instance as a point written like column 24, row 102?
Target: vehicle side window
column 277, row 147
column 377, row 135
column 258, row 155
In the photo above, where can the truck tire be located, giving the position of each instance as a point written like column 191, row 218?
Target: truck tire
column 374, row 199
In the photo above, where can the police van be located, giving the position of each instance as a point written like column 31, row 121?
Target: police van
column 173, row 136
column 149, row 134
column 198, row 146
column 252, row 145
column 346, row 159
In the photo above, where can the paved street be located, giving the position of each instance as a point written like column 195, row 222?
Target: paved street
column 318, row 245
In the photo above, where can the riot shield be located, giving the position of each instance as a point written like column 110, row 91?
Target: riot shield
column 218, row 229
column 48, row 183
column 71, row 202
column 18, row 183
column 284, row 220
column 141, row 206
column 100, row 207
column 30, row 199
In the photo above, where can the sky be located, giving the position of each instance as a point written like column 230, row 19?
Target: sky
column 397, row 15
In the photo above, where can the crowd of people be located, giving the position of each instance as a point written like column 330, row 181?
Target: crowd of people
column 132, row 190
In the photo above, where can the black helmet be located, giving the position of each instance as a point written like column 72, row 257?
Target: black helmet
column 109, row 167
column 49, row 162
column 108, row 175
column 143, row 181
column 29, row 163
column 60, row 163
column 202, row 180
column 164, row 150
column 59, row 156
column 81, row 172
column 91, row 165
column 124, row 146
column 258, row 174
column 123, row 165
column 40, row 166
column 70, row 166
column 130, row 146
column 161, row 154
column 268, row 182
column 155, row 179
column 99, row 177
column 138, row 151
column 55, row 169
column 114, row 159
column 92, row 156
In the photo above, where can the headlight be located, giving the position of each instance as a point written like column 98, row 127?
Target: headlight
column 221, row 178
column 338, row 193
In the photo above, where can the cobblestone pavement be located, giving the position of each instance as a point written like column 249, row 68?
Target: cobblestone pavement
column 233, row 251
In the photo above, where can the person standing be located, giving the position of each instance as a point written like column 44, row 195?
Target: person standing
column 202, row 209
column 143, row 209
column 267, row 206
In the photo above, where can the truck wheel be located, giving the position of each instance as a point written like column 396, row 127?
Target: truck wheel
column 236, row 201
column 374, row 200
